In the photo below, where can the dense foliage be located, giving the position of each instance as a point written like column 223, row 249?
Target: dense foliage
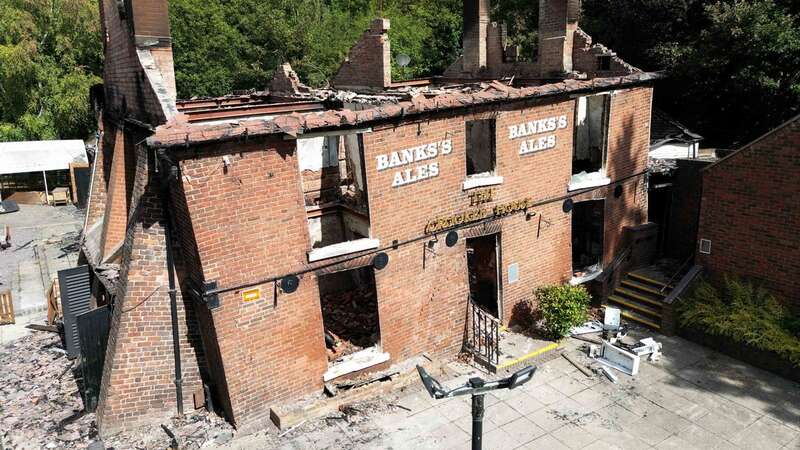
column 743, row 312
column 563, row 307
column 734, row 65
column 50, row 55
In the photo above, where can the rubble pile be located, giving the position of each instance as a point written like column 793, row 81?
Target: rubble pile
column 351, row 322
column 195, row 430
column 40, row 407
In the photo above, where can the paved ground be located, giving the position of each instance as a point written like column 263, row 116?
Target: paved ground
column 43, row 242
column 694, row 398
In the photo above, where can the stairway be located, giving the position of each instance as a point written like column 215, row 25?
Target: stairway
column 640, row 298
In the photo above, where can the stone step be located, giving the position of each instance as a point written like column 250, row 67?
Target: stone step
column 638, row 297
column 648, row 281
column 635, row 285
column 632, row 316
column 627, row 304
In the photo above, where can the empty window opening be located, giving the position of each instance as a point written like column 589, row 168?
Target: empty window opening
column 349, row 312
column 604, row 62
column 482, row 265
column 480, row 142
column 591, row 139
column 334, row 189
column 587, row 239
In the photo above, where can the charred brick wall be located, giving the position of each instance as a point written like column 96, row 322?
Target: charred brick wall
column 247, row 222
column 749, row 213
column 138, row 377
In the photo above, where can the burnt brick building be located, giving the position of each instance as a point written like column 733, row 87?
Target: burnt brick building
column 749, row 216
column 308, row 234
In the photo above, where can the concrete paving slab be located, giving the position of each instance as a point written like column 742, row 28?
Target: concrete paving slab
column 501, row 413
column 700, row 437
column 524, row 403
column 572, row 436
column 523, row 430
column 765, row 432
column 546, row 394
column 546, row 442
column 567, row 385
column 667, row 420
column 675, row 442
column 647, row 432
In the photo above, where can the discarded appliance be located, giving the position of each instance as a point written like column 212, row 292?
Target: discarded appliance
column 593, row 326
column 611, row 319
column 5, row 238
column 648, row 346
column 619, row 359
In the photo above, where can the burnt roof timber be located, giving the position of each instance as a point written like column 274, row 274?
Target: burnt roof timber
column 177, row 134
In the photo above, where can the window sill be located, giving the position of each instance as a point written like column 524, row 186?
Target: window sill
column 585, row 180
column 481, row 180
column 342, row 248
column 354, row 362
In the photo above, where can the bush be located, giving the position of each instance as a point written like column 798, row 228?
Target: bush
column 743, row 312
column 563, row 307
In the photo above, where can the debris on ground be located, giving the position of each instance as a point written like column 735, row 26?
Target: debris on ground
column 350, row 326
column 41, row 407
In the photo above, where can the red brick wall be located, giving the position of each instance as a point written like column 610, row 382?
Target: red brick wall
column 120, row 183
column 98, row 194
column 247, row 222
column 750, row 213
column 127, row 90
column 138, row 377
column 368, row 63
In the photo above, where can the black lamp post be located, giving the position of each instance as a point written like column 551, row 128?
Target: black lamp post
column 476, row 387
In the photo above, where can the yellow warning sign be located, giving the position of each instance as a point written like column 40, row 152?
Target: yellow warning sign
column 251, row 295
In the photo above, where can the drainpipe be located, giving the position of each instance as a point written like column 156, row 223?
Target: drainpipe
column 173, row 302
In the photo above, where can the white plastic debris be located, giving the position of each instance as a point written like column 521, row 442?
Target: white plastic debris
column 592, row 326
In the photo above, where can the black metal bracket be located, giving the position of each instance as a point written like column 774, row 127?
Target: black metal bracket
column 211, row 300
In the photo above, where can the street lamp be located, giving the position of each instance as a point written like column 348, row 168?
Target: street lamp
column 476, row 387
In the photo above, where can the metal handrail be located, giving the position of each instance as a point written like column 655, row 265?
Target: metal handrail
column 484, row 333
column 677, row 272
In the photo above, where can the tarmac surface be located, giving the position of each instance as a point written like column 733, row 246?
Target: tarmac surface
column 44, row 241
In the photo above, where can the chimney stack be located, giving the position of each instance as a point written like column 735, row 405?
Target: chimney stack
column 369, row 62
column 476, row 24
column 558, row 21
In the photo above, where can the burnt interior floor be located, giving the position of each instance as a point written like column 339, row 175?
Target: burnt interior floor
column 349, row 311
column 482, row 266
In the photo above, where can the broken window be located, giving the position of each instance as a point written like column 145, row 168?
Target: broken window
column 591, row 141
column 482, row 266
column 587, row 239
column 334, row 189
column 480, row 139
column 350, row 319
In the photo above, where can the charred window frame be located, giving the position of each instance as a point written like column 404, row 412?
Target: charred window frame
column 480, row 144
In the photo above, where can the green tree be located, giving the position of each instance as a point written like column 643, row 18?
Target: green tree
column 50, row 55
column 733, row 65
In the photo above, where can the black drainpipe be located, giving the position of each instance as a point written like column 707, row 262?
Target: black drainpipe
column 173, row 302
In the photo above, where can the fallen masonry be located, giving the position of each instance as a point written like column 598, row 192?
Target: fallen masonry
column 41, row 408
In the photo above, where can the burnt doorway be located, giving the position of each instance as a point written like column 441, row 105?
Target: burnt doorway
column 483, row 262
column 587, row 238
column 659, row 210
column 349, row 312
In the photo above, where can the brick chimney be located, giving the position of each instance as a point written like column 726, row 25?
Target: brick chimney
column 149, row 23
column 369, row 62
column 476, row 24
column 558, row 21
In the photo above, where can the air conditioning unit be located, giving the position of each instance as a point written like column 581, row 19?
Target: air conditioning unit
column 705, row 246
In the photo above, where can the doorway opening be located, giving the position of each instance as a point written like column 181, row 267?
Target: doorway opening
column 483, row 262
column 349, row 312
column 587, row 239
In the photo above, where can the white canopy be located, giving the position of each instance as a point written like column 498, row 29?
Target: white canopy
column 38, row 156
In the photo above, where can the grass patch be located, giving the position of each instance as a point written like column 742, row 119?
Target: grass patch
column 744, row 312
